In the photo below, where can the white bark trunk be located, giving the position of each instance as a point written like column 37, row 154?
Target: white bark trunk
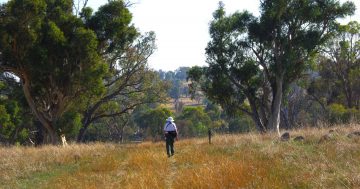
column 274, row 121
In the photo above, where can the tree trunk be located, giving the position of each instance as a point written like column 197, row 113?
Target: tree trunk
column 122, row 130
column 285, row 118
column 45, row 123
column 39, row 135
column 121, row 135
column 349, row 96
column 86, row 121
column 255, row 116
column 265, row 106
column 274, row 120
column 80, row 137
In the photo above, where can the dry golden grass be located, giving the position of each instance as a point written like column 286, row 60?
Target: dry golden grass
column 232, row 161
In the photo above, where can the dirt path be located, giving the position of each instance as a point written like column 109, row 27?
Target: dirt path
column 172, row 173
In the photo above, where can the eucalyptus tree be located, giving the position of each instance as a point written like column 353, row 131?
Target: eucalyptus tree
column 340, row 64
column 53, row 54
column 70, row 60
column 253, row 60
column 129, row 81
column 131, row 84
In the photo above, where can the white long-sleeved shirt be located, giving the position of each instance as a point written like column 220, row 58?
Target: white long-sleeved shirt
column 170, row 126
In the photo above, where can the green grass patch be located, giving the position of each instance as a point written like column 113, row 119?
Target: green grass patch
column 39, row 179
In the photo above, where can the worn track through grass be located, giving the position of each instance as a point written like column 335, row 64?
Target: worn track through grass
column 172, row 172
column 232, row 161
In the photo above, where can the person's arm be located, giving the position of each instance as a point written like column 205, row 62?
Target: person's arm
column 165, row 128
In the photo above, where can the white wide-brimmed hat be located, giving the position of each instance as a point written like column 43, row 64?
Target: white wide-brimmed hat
column 169, row 119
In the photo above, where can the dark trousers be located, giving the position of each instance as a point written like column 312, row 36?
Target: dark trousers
column 170, row 145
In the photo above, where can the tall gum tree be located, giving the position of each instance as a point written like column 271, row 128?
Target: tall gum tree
column 252, row 61
column 129, row 82
column 340, row 63
column 53, row 54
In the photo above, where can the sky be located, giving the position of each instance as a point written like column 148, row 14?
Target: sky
column 181, row 27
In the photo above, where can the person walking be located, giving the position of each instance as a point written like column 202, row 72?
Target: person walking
column 171, row 133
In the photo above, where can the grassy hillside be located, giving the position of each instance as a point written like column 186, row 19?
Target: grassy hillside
column 232, row 161
column 187, row 101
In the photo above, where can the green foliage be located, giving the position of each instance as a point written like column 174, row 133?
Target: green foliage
column 339, row 67
column 153, row 120
column 331, row 81
column 10, row 122
column 97, row 132
column 23, row 135
column 177, row 82
column 69, row 124
column 5, row 117
column 15, row 112
column 75, row 63
column 214, row 111
column 231, row 76
column 196, row 120
column 240, row 124
column 53, row 53
column 256, row 59
column 340, row 114
column 129, row 82
column 111, row 24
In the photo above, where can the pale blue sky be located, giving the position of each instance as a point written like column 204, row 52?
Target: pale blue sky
column 181, row 27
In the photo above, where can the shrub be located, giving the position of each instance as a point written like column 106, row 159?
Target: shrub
column 339, row 114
